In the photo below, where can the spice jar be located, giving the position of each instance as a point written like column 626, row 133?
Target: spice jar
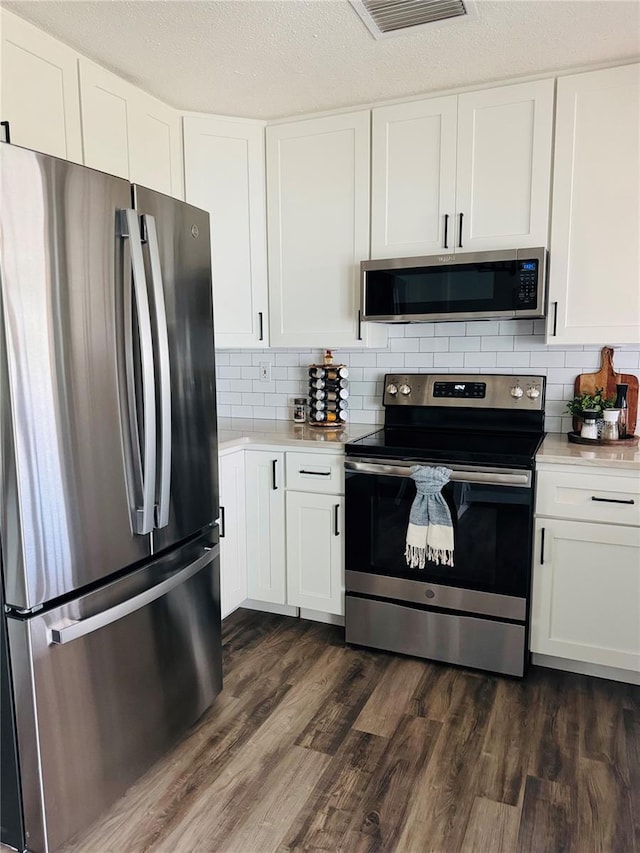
column 589, row 425
column 610, row 426
column 300, row 410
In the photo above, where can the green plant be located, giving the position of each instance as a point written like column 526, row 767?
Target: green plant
column 595, row 401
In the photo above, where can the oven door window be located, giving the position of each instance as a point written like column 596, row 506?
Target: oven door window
column 492, row 533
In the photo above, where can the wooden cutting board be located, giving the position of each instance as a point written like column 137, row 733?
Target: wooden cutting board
column 607, row 379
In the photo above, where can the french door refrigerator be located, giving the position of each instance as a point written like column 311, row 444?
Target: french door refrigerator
column 108, row 486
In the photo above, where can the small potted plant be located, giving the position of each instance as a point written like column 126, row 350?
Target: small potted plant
column 596, row 401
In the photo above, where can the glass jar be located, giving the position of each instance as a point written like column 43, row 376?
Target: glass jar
column 610, row 426
column 589, row 425
column 300, row 410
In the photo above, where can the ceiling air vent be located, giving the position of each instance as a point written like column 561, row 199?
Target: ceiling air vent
column 385, row 18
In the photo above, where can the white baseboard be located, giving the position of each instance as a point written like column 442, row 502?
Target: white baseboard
column 268, row 607
column 582, row 668
column 318, row 616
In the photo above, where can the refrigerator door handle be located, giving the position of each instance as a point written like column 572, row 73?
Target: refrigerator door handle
column 74, row 629
column 164, row 374
column 142, row 516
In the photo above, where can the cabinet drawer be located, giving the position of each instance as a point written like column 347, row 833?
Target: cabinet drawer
column 589, row 497
column 315, row 472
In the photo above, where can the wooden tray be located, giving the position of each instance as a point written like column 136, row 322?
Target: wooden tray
column 576, row 438
column 607, row 379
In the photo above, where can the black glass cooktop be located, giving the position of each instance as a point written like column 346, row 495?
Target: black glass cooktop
column 424, row 445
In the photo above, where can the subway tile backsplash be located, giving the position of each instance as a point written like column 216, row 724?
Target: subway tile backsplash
column 511, row 346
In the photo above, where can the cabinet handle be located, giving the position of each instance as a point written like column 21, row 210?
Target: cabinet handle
column 542, row 547
column 359, row 324
column 223, row 525
column 630, row 502
column 7, row 131
column 336, row 519
column 460, row 232
column 446, row 230
column 315, row 473
column 274, row 486
column 261, row 322
column 555, row 319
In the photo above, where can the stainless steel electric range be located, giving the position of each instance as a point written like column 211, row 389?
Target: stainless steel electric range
column 486, row 429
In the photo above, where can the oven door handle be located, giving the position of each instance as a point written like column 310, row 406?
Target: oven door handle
column 458, row 475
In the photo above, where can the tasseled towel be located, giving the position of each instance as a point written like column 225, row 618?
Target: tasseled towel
column 430, row 531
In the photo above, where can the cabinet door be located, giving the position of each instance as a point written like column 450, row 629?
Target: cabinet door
column 233, row 533
column 128, row 133
column 265, row 504
column 504, row 167
column 593, row 274
column 315, row 551
column 586, row 593
column 39, row 90
column 105, row 119
column 224, row 174
column 318, row 229
column 413, row 173
column 155, row 149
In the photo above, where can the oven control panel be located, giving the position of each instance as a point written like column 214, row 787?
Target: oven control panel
column 490, row 391
column 460, row 390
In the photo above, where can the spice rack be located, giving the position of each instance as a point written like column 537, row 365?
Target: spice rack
column 328, row 394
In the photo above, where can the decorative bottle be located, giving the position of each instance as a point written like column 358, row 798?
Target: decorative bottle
column 621, row 403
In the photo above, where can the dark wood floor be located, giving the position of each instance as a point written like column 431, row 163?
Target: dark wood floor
column 316, row 746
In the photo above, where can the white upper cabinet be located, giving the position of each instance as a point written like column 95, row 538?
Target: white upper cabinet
column 594, row 286
column 463, row 173
column 39, row 90
column 225, row 175
column 128, row 133
column 413, row 171
column 318, row 231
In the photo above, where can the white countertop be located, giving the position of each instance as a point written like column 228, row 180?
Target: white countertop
column 235, row 432
column 557, row 449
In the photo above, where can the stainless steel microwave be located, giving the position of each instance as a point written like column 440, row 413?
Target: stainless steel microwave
column 469, row 286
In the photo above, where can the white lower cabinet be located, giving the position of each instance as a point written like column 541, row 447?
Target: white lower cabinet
column 265, row 525
column 233, row 539
column 586, row 593
column 586, row 569
column 315, row 552
column 294, row 536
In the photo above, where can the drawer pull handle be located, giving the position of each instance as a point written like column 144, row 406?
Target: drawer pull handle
column 612, row 500
column 316, row 473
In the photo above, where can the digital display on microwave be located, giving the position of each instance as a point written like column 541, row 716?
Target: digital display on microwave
column 528, row 266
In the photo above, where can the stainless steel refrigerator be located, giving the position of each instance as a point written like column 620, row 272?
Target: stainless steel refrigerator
column 108, row 488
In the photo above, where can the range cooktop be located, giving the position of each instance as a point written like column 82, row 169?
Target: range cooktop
column 490, row 420
column 481, row 448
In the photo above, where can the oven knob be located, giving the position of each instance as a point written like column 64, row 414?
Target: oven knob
column 517, row 392
column 392, row 389
column 405, row 389
column 533, row 393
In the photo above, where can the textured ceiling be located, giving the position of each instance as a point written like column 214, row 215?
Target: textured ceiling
column 273, row 58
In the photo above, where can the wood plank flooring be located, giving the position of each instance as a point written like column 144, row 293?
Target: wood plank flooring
column 316, row 746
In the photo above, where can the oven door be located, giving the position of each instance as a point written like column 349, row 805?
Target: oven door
column 491, row 511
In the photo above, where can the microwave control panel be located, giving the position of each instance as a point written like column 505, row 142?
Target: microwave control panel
column 527, row 293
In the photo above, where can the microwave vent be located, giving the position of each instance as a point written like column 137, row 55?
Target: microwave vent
column 384, row 18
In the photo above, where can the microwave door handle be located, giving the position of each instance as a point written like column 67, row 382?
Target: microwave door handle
column 130, row 230
column 164, row 371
